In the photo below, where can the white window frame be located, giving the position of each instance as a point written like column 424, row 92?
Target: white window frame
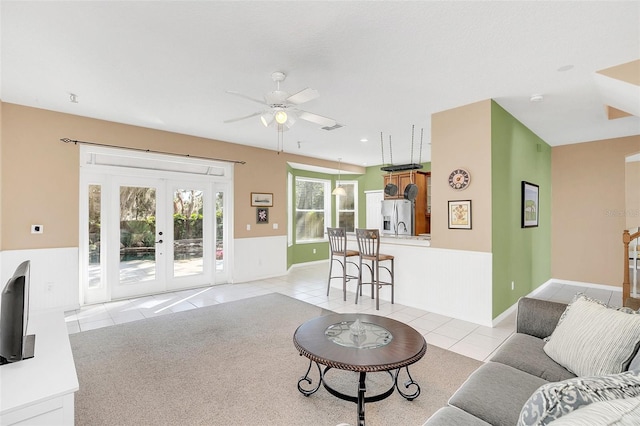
column 327, row 208
column 355, row 203
column 290, row 215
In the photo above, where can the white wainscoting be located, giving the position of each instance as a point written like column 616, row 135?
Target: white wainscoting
column 53, row 277
column 259, row 258
column 454, row 283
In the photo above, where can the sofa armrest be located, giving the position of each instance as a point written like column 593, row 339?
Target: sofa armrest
column 538, row 317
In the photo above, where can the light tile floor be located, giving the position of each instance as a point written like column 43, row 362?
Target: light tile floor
column 308, row 283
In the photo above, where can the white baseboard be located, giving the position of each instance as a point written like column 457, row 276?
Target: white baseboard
column 581, row 284
column 313, row 262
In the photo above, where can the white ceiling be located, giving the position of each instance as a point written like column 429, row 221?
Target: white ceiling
column 379, row 66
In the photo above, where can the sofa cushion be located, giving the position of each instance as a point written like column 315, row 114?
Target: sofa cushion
column 592, row 340
column 526, row 353
column 618, row 412
column 495, row 393
column 448, row 416
column 554, row 400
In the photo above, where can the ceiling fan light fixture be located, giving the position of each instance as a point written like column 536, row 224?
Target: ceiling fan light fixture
column 266, row 119
column 291, row 119
column 281, row 117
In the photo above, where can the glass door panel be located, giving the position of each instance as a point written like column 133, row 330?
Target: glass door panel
column 137, row 234
column 188, row 236
column 137, row 238
column 220, row 232
column 94, row 271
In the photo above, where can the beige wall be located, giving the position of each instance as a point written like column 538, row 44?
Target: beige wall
column 629, row 72
column 40, row 174
column 461, row 138
column 632, row 194
column 588, row 210
column 1, row 176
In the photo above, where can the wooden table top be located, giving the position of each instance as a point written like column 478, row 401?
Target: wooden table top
column 405, row 348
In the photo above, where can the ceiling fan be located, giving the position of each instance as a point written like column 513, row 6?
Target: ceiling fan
column 282, row 108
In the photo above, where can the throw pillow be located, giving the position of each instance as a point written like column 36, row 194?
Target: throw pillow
column 554, row 400
column 619, row 412
column 592, row 340
column 582, row 296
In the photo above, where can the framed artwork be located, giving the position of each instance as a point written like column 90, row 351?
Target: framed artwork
column 460, row 214
column 261, row 199
column 530, row 204
column 262, row 215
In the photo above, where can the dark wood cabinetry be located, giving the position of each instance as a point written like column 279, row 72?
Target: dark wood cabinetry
column 422, row 180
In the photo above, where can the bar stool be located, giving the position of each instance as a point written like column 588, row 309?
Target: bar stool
column 369, row 246
column 340, row 254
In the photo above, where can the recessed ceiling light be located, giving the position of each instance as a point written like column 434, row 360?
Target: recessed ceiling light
column 536, row 98
column 73, row 98
column 565, row 68
column 364, row 140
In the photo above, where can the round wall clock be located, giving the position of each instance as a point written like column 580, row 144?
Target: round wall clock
column 459, row 179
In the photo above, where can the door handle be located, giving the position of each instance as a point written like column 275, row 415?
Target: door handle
column 159, row 242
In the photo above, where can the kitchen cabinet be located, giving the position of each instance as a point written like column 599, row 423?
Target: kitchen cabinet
column 422, row 180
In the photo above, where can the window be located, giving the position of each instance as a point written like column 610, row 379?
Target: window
column 347, row 206
column 289, row 209
column 312, row 208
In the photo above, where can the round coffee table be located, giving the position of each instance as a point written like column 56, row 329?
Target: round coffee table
column 361, row 343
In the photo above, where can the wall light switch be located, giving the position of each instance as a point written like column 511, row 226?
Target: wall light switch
column 248, row 227
column 275, row 226
column 37, row 229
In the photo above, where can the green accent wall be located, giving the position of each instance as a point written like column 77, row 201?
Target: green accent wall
column 521, row 255
column 303, row 253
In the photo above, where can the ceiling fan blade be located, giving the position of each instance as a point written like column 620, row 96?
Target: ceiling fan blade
column 303, row 96
column 243, row 118
column 318, row 119
column 242, row 95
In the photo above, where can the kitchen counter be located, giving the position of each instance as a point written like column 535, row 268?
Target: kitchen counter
column 454, row 283
column 407, row 240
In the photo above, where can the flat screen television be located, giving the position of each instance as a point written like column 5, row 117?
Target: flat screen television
column 15, row 344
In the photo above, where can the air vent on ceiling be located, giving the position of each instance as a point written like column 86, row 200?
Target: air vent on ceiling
column 335, row 126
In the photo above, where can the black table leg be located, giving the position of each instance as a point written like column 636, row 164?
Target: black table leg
column 407, row 384
column 361, row 390
column 307, row 379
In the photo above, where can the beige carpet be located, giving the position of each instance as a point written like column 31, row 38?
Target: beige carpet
column 234, row 364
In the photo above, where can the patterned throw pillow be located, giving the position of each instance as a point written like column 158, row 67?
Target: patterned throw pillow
column 619, row 412
column 592, row 339
column 554, row 400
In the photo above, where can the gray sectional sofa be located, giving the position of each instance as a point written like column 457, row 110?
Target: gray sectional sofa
column 522, row 374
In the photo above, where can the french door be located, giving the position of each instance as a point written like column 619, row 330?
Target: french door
column 161, row 235
column 150, row 235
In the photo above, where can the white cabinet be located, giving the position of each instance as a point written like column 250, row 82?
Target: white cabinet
column 374, row 217
column 40, row 390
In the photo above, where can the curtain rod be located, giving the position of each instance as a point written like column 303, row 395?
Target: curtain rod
column 67, row 140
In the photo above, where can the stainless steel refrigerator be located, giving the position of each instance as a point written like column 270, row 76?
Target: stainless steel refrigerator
column 397, row 217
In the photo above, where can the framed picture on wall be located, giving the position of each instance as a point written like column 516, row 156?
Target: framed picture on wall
column 262, row 215
column 261, row 199
column 460, row 214
column 530, row 204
